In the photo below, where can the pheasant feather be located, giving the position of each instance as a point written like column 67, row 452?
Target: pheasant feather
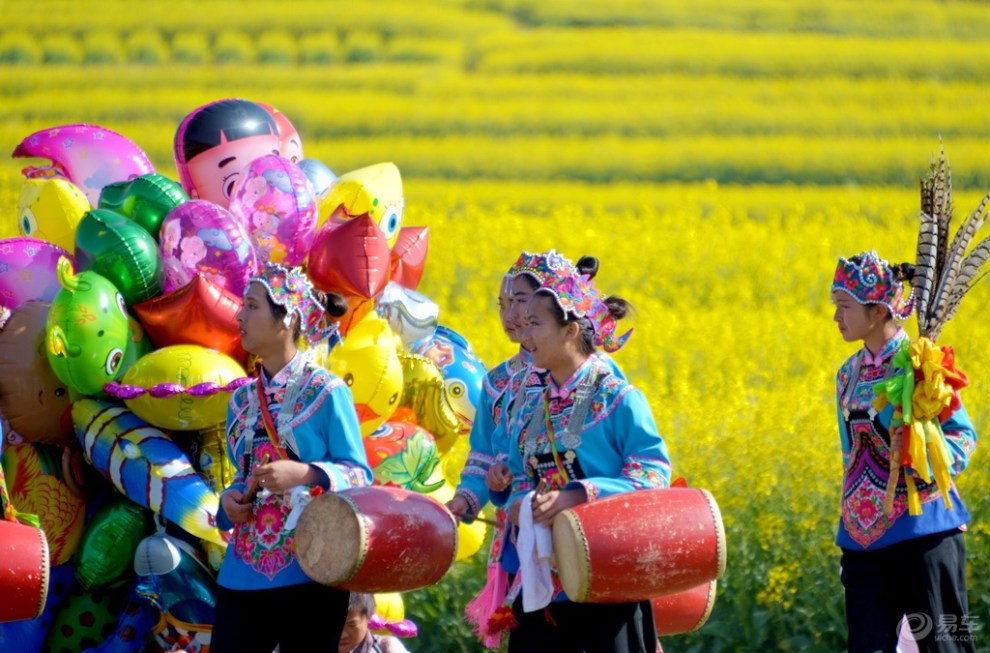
column 924, row 274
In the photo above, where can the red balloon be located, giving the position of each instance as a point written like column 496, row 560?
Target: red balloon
column 350, row 258
column 409, row 256
column 198, row 313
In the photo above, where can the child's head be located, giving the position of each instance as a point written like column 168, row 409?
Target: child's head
column 359, row 612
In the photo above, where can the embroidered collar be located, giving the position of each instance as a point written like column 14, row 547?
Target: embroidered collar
column 282, row 377
column 565, row 389
column 886, row 352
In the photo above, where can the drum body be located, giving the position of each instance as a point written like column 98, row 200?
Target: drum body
column 685, row 611
column 639, row 545
column 376, row 539
column 24, row 571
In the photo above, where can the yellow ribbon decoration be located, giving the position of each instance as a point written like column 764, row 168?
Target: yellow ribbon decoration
column 928, row 449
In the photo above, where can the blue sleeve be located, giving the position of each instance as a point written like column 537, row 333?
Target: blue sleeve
column 961, row 438
column 347, row 465
column 632, row 431
column 472, row 485
column 223, row 521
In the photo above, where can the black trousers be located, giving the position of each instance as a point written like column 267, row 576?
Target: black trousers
column 923, row 579
column 293, row 617
column 567, row 627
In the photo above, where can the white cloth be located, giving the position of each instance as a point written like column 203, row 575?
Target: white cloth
column 297, row 498
column 535, row 548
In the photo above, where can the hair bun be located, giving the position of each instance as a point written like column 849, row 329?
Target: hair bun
column 587, row 265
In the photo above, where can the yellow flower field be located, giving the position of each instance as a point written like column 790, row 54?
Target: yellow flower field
column 717, row 156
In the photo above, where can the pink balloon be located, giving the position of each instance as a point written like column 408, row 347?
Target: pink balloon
column 274, row 202
column 199, row 237
column 28, row 270
column 89, row 156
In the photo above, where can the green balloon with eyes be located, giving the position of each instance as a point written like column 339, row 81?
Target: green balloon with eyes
column 87, row 331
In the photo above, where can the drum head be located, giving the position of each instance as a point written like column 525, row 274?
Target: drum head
column 570, row 548
column 331, row 539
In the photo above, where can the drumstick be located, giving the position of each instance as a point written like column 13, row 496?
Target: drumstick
column 483, row 520
column 253, row 486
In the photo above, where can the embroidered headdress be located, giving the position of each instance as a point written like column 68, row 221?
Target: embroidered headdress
column 290, row 289
column 869, row 279
column 543, row 267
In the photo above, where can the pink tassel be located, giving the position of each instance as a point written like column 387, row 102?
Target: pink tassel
column 484, row 605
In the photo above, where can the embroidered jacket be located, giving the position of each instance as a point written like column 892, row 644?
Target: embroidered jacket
column 865, row 439
column 617, row 449
column 325, row 431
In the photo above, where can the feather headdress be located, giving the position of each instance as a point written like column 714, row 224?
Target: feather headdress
column 945, row 272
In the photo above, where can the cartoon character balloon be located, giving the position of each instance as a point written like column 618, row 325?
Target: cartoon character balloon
column 374, row 191
column 29, row 270
column 199, row 237
column 409, row 256
column 50, row 209
column 350, row 259
column 216, row 141
column 32, row 399
column 273, row 201
column 403, row 454
column 411, row 315
column 121, row 251
column 462, row 370
column 89, row 156
column 87, row 330
column 146, row 200
column 290, row 145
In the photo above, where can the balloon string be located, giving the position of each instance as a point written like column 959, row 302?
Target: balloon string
column 166, row 390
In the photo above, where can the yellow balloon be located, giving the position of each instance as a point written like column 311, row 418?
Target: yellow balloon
column 186, row 366
column 50, row 209
column 389, row 606
column 425, row 393
column 375, row 190
column 368, row 361
column 454, row 459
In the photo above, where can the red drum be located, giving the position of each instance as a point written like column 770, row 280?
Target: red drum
column 376, row 539
column 23, row 571
column 639, row 545
column 684, row 612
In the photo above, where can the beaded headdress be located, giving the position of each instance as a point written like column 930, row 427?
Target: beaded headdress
column 290, row 289
column 543, row 267
column 871, row 280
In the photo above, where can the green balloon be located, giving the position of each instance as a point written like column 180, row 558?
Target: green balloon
column 146, row 200
column 105, row 556
column 122, row 252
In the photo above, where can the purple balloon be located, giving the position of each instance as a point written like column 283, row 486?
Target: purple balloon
column 275, row 203
column 28, row 270
column 199, row 237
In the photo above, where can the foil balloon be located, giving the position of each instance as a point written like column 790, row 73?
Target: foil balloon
column 89, row 156
column 350, row 259
column 50, row 209
column 135, row 622
column 29, row 270
column 216, row 141
column 290, row 145
column 273, row 201
column 409, row 256
column 374, row 191
column 357, row 308
column 390, row 616
column 454, row 459
column 122, row 252
column 144, row 464
column 211, row 458
column 87, row 330
column 110, row 539
column 424, row 392
column 85, row 618
column 28, row 635
column 411, row 316
column 198, row 237
column 146, row 200
column 462, row 370
column 33, row 400
column 36, row 487
column 368, row 361
column 403, row 454
column 319, row 175
column 180, row 387
column 198, row 313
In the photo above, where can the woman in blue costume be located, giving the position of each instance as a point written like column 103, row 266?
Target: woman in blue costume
column 894, row 564
column 292, row 435
column 576, row 432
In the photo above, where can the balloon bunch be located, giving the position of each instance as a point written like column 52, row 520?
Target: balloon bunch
column 121, row 347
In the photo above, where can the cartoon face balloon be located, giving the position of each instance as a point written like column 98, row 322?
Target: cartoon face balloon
column 272, row 199
column 87, row 331
column 32, row 398
column 216, row 141
column 374, row 191
column 290, row 145
column 199, row 237
column 462, row 371
column 87, row 155
column 28, row 270
column 50, row 209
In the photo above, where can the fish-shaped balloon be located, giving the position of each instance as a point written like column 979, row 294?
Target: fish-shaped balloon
column 462, row 370
column 89, row 156
column 147, row 466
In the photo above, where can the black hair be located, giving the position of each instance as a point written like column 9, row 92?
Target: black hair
column 618, row 308
column 335, row 305
column 233, row 119
column 361, row 603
